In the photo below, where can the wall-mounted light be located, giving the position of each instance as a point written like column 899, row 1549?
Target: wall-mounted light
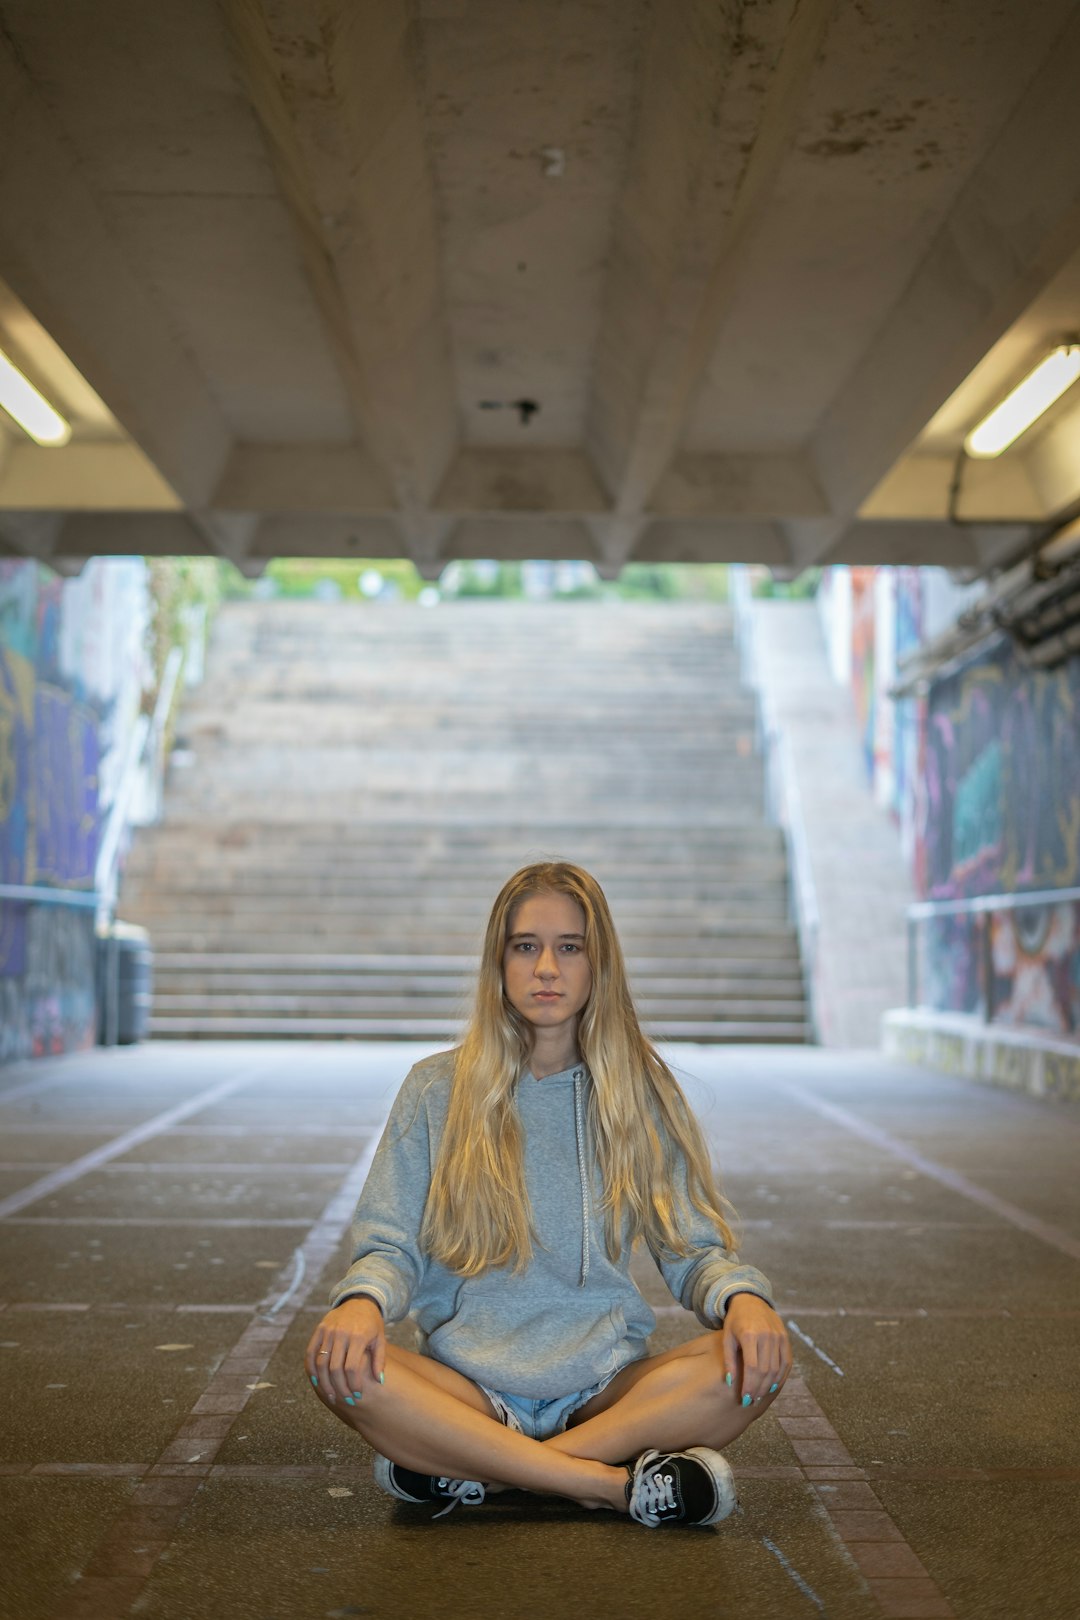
column 1027, row 402
column 28, row 408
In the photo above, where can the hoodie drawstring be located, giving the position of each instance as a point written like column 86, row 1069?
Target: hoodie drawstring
column 579, row 1129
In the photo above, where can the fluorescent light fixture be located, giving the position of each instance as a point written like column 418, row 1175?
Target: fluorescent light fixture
column 31, row 410
column 1027, row 402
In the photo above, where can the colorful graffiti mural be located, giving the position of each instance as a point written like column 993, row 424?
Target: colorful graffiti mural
column 909, row 728
column 1035, row 961
column 984, row 779
column 71, row 671
column 862, row 658
column 1002, row 779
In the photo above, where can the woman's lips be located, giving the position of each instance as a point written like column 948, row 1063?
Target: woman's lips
column 547, row 995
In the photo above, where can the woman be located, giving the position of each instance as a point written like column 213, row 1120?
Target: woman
column 514, row 1177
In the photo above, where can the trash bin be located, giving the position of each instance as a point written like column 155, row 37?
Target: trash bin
column 125, row 984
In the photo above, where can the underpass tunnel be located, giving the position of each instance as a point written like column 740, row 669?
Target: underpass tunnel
column 436, row 439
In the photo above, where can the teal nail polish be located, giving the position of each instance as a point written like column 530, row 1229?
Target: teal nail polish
column 382, row 1378
column 746, row 1400
column 315, row 1380
column 349, row 1401
column 773, row 1388
column 727, row 1380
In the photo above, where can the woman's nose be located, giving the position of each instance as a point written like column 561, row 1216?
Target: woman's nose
column 547, row 966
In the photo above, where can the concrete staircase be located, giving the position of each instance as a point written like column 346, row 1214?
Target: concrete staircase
column 360, row 781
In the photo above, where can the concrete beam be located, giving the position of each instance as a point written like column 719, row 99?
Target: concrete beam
column 30, row 534
column 518, row 539
column 720, row 487
column 486, row 481
column 667, row 540
column 63, row 262
column 1015, row 222
column 303, row 478
column 908, row 544
column 334, row 86
column 663, row 313
column 337, row 534
column 129, row 534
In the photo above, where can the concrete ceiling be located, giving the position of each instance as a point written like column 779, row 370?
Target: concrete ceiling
column 291, row 266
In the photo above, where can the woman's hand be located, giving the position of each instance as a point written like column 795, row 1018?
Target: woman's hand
column 349, row 1343
column 757, row 1352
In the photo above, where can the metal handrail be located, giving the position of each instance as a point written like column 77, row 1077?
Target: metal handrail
column 991, row 902
column 39, row 895
column 783, row 802
column 147, row 743
column 981, row 906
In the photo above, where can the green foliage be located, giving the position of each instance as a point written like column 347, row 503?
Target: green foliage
column 304, row 576
column 340, row 577
column 178, row 584
column 800, row 589
column 673, row 582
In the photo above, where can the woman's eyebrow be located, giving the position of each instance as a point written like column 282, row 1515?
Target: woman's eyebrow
column 536, row 936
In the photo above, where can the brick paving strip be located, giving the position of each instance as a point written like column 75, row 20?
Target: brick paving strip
column 900, row 1584
column 792, row 1472
column 125, row 1559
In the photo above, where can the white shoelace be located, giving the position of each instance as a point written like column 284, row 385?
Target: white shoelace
column 652, row 1495
column 460, row 1490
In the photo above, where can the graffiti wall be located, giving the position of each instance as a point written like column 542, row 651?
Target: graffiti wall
column 1002, row 797
column 1003, row 778
column 909, row 728
column 71, row 675
column 862, row 658
column 983, row 778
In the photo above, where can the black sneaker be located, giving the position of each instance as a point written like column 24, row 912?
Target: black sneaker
column 680, row 1487
column 408, row 1486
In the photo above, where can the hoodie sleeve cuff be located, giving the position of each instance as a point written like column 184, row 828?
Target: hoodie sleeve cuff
column 747, row 1280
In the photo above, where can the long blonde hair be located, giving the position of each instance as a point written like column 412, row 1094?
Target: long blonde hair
column 478, row 1213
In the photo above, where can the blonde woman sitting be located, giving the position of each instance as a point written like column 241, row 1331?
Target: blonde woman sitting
column 515, row 1176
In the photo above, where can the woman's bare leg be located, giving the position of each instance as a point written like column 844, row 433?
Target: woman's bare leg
column 430, row 1419
column 664, row 1403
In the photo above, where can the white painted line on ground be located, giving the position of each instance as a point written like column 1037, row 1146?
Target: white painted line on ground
column 140, row 1133
column 792, row 1573
column 340, row 1209
column 30, row 1088
column 818, row 1351
column 118, row 1572
column 1053, row 1236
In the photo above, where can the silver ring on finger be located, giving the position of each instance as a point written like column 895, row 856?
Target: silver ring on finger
column 324, row 1352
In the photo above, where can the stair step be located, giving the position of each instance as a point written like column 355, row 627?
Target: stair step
column 203, row 983
column 359, row 784
column 418, row 1029
column 432, row 1004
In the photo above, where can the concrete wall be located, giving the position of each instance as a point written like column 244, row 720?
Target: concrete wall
column 72, row 670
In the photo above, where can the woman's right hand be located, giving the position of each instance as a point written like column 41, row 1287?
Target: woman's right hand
column 348, row 1345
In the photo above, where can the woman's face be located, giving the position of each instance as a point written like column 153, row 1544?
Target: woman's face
column 546, row 973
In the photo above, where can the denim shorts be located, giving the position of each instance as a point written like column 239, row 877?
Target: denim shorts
column 540, row 1419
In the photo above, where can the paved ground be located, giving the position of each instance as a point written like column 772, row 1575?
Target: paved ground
column 173, row 1215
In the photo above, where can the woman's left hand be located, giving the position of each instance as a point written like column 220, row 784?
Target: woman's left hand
column 757, row 1352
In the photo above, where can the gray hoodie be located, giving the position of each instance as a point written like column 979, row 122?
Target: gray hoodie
column 574, row 1315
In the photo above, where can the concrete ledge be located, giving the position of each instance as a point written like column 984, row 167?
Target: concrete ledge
column 1018, row 1060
